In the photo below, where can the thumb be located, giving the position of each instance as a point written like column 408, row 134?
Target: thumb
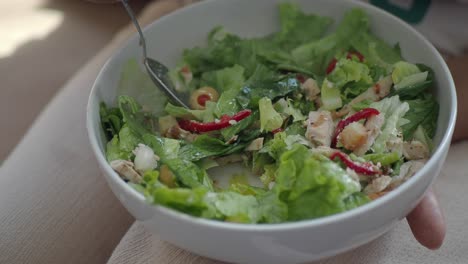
column 427, row 222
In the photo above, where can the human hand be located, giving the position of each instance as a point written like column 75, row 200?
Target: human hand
column 427, row 222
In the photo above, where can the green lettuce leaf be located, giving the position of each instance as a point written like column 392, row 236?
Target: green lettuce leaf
column 225, row 79
column 206, row 146
column 269, row 118
column 403, row 69
column 394, row 111
column 316, row 55
column 351, row 77
column 330, row 96
column 275, row 146
column 383, row 158
column 138, row 121
column 286, row 107
column 376, row 52
column 422, row 112
column 111, row 120
column 271, row 89
column 241, row 127
column 113, row 151
column 312, row 186
column 187, row 173
column 411, row 87
column 294, row 21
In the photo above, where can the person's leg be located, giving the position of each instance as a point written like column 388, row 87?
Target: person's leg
column 55, row 207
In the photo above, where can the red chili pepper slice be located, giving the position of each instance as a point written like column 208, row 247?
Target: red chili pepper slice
column 362, row 168
column 357, row 54
column 197, row 127
column 331, row 65
column 363, row 114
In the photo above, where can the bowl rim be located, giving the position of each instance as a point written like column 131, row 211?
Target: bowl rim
column 93, row 133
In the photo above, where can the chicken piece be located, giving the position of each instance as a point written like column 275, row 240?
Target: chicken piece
column 353, row 136
column 126, row 170
column 395, row 145
column 320, row 128
column 407, row 170
column 374, row 93
column 310, row 89
column 415, row 150
column 378, row 185
column 256, row 144
column 373, row 126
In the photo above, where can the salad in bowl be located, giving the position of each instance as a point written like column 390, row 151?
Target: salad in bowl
column 318, row 121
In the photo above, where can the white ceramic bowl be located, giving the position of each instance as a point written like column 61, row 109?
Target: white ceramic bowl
column 274, row 243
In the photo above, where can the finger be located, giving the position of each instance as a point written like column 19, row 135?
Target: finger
column 427, row 222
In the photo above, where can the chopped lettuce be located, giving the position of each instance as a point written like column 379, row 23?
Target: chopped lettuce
column 412, row 86
column 421, row 135
column 422, row 112
column 113, row 151
column 269, row 118
column 312, row 186
column 269, row 88
column 127, row 140
column 403, row 69
column 351, row 77
column 384, row 159
column 225, row 79
column 287, row 108
column 331, row 96
column 347, row 71
column 316, row 55
column 137, row 120
column 394, row 111
column 111, row 120
column 376, row 52
column 205, row 146
column 240, row 127
column 412, row 79
column 293, row 21
column 276, row 146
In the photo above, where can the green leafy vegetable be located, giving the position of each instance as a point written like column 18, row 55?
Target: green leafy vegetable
column 403, row 69
column 422, row 112
column 293, row 21
column 312, row 186
column 394, row 111
column 265, row 84
column 225, row 79
column 269, row 118
column 384, row 159
column 111, row 120
column 205, row 146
